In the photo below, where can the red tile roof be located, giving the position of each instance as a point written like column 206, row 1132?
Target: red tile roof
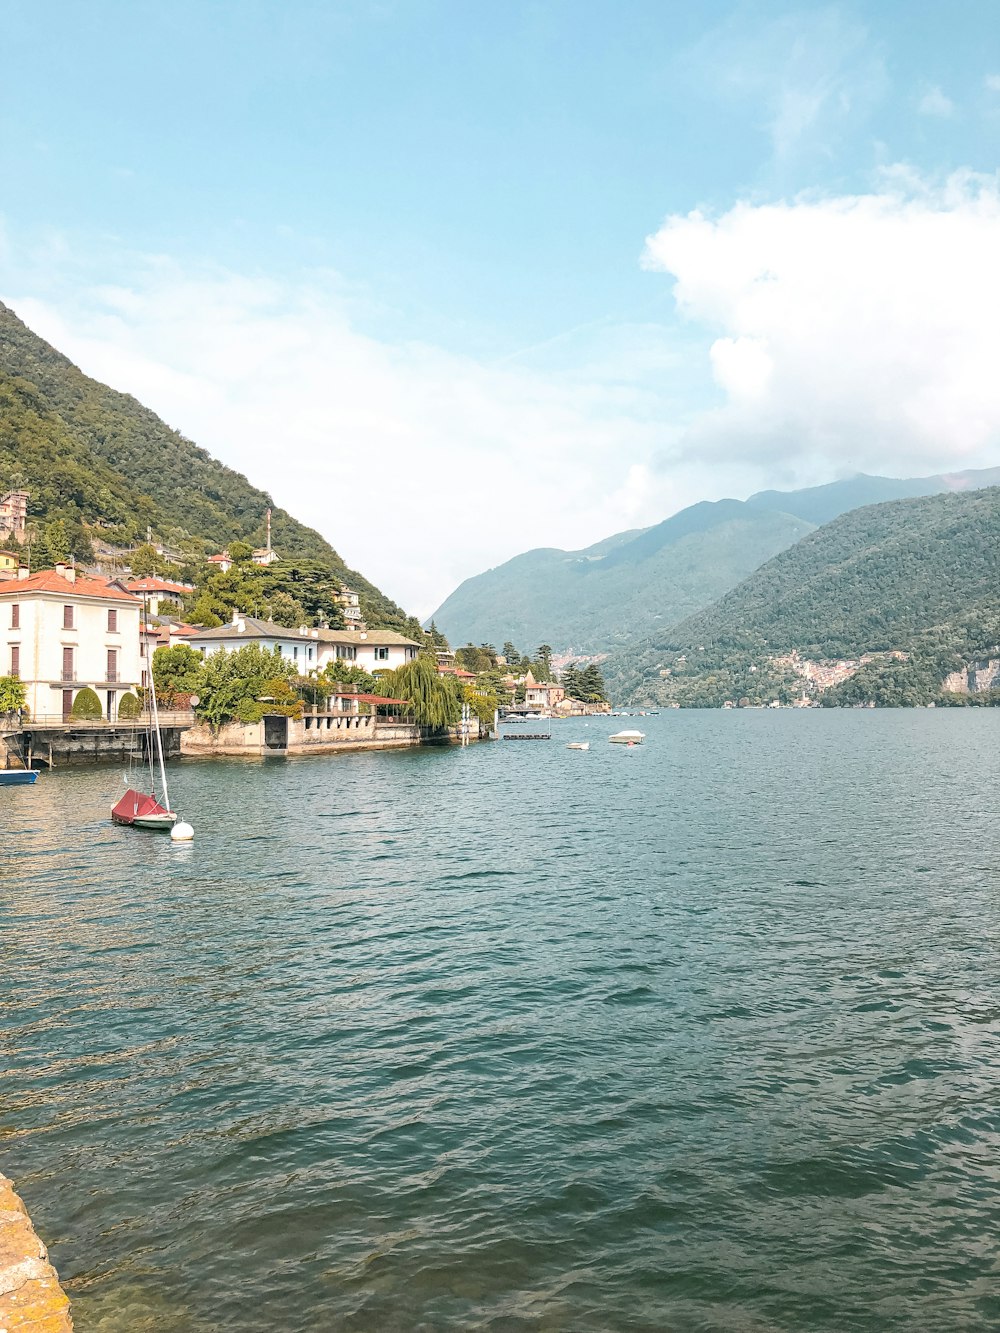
column 82, row 586
column 157, row 585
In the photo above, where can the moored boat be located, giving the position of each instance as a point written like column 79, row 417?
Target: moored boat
column 578, row 745
column 627, row 738
column 139, row 810
column 17, row 777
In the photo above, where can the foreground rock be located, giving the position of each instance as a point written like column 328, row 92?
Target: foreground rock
column 31, row 1299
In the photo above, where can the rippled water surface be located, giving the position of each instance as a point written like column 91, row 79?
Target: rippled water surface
column 700, row 1035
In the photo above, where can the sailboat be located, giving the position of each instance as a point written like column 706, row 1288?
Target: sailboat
column 142, row 809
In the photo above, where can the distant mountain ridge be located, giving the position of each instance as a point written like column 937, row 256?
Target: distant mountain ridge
column 627, row 586
column 93, row 456
column 919, row 576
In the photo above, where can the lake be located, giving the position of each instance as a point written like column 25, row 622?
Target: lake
column 702, row 1035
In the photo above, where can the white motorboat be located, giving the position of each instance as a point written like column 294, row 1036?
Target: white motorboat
column 578, row 745
column 627, row 738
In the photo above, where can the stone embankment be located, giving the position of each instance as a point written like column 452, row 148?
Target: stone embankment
column 31, row 1299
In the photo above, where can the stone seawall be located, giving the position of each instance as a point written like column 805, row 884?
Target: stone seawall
column 310, row 735
column 31, row 1299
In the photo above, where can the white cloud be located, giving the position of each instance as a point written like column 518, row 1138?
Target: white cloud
column 420, row 465
column 992, row 82
column 851, row 332
column 935, row 103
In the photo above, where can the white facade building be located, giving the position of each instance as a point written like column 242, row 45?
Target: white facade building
column 299, row 646
column 374, row 650
column 61, row 631
column 311, row 649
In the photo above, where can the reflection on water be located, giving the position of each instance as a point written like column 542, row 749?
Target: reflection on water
column 700, row 1035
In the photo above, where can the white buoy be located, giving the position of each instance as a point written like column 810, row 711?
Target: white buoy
column 181, row 832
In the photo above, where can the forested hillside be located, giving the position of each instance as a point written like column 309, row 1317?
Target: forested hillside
column 630, row 585
column 917, row 576
column 591, row 601
column 97, row 458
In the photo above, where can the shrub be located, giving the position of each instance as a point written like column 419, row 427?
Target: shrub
column 86, row 705
column 129, row 708
column 12, row 694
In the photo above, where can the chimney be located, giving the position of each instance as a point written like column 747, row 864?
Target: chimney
column 236, row 616
column 23, row 572
column 67, row 572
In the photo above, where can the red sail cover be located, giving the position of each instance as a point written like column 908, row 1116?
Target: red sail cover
column 133, row 805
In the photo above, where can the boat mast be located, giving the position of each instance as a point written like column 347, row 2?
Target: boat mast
column 156, row 724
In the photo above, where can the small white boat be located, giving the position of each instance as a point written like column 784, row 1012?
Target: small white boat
column 627, row 738
column 578, row 745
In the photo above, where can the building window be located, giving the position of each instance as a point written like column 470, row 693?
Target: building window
column 347, row 652
column 112, row 664
column 67, row 670
column 381, row 654
column 112, row 622
column 15, row 661
column 15, row 616
column 67, row 617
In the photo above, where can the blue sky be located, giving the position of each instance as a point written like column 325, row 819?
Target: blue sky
column 424, row 226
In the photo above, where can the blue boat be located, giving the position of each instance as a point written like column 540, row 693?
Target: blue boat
column 17, row 777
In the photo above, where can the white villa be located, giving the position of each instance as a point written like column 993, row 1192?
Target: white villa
column 61, row 631
column 310, row 649
column 374, row 650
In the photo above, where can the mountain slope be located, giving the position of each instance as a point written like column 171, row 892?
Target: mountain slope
column 921, row 576
column 623, row 588
column 589, row 601
column 89, row 454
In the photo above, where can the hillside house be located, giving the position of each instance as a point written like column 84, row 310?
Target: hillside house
column 542, row 695
column 14, row 516
column 223, row 562
column 61, row 631
column 350, row 606
column 153, row 591
column 9, row 565
column 374, row 650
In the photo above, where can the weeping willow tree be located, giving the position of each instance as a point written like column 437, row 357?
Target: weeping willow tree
column 435, row 699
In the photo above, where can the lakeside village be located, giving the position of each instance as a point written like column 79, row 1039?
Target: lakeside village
column 80, row 646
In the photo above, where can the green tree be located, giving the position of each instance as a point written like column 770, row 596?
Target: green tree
column 145, row 561
column 129, row 708
column 241, row 553
column 543, row 659
column 436, row 700
column 233, row 682
column 56, row 542
column 510, row 653
column 12, row 694
column 285, row 610
column 179, row 669
column 339, row 672
column 86, row 705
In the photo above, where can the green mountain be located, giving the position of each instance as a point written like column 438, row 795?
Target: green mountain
column 591, row 601
column 630, row 585
column 103, row 463
column 919, row 577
